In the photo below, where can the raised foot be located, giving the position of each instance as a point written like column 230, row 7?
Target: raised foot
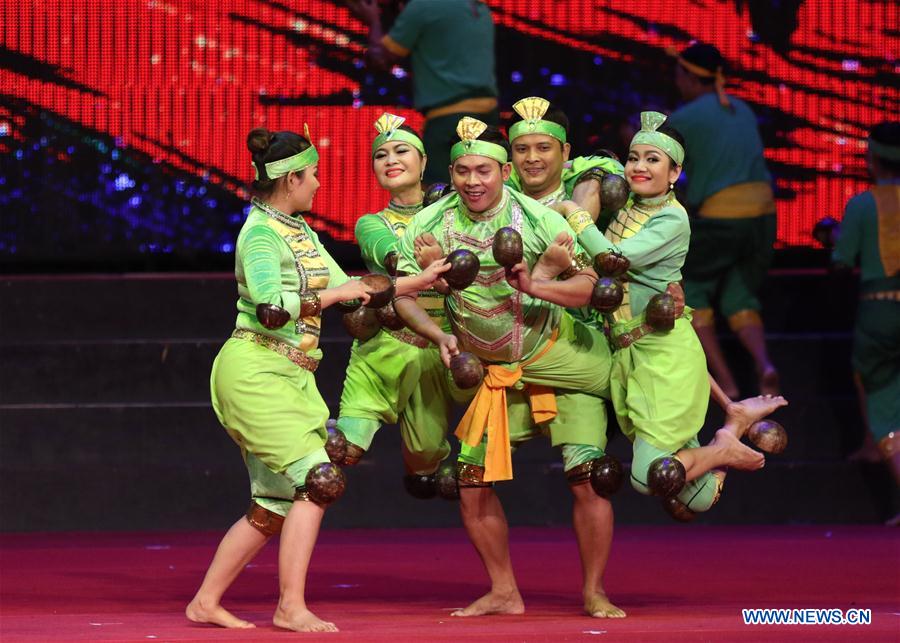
column 598, row 606
column 736, row 454
column 215, row 615
column 557, row 258
column 494, row 603
column 741, row 415
column 301, row 620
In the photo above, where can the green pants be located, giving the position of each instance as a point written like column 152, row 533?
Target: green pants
column 699, row 494
column 272, row 409
column 876, row 357
column 388, row 381
column 727, row 262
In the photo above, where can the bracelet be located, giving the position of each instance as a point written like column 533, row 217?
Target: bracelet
column 579, row 263
column 579, row 220
column 310, row 304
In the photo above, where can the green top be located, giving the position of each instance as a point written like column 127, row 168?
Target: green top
column 378, row 234
column 451, row 44
column 654, row 234
column 858, row 241
column 279, row 257
column 722, row 146
column 491, row 318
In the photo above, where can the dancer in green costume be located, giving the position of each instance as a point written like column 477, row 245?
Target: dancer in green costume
column 659, row 384
column 870, row 237
column 262, row 384
column 518, row 327
column 397, row 375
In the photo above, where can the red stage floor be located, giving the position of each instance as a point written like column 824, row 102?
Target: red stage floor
column 676, row 583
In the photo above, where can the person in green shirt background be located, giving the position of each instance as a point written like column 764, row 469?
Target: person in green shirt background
column 733, row 225
column 870, row 238
column 450, row 44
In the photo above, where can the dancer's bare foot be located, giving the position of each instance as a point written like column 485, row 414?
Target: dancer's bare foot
column 738, row 455
column 598, row 606
column 768, row 381
column 740, row 415
column 557, row 258
column 197, row 612
column 301, row 620
column 495, row 603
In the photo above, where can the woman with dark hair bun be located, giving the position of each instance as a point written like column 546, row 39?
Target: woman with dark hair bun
column 262, row 384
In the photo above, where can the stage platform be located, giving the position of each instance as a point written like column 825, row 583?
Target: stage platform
column 677, row 583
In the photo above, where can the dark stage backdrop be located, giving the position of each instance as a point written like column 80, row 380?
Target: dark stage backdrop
column 122, row 123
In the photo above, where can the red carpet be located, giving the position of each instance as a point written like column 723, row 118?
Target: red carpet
column 676, row 583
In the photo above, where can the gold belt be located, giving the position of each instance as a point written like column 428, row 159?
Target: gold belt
column 409, row 337
column 296, row 355
column 882, row 295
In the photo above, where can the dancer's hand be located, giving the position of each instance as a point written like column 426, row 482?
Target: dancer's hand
column 353, row 289
column 519, row 277
column 449, row 348
column 675, row 290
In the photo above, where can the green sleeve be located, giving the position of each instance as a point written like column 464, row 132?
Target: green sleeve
column 664, row 233
column 406, row 259
column 336, row 275
column 849, row 241
column 260, row 249
column 408, row 26
column 573, row 169
column 375, row 240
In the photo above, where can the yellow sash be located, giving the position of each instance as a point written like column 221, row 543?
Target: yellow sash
column 740, row 201
column 488, row 409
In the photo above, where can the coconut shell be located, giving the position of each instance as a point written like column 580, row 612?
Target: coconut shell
column 467, row 370
column 436, row 192
column 382, row 289
column 660, row 312
column 361, row 324
column 607, row 295
column 388, row 317
column 508, row 249
column 464, row 267
column 611, row 264
column 768, row 436
column 614, row 192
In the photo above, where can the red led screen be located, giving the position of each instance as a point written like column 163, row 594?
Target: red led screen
column 184, row 81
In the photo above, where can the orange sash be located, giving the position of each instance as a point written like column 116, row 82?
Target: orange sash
column 488, row 412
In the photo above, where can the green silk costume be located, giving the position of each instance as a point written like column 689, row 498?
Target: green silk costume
column 870, row 237
column 504, row 326
column 269, row 405
column 397, row 375
column 659, row 384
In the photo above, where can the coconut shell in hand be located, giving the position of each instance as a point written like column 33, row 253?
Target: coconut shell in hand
column 464, row 267
column 436, row 192
column 508, row 249
column 611, row 264
column 467, row 370
column 660, row 312
column 614, row 192
column 607, row 295
column 361, row 324
column 381, row 289
column 388, row 317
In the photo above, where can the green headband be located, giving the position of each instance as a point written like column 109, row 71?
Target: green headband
column 294, row 163
column 884, row 151
column 388, row 126
column 532, row 111
column 650, row 122
column 469, row 129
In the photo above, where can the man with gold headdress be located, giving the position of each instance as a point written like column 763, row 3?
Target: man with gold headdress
column 733, row 228
column 518, row 328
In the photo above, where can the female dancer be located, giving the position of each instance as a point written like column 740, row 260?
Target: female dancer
column 397, row 375
column 262, row 383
